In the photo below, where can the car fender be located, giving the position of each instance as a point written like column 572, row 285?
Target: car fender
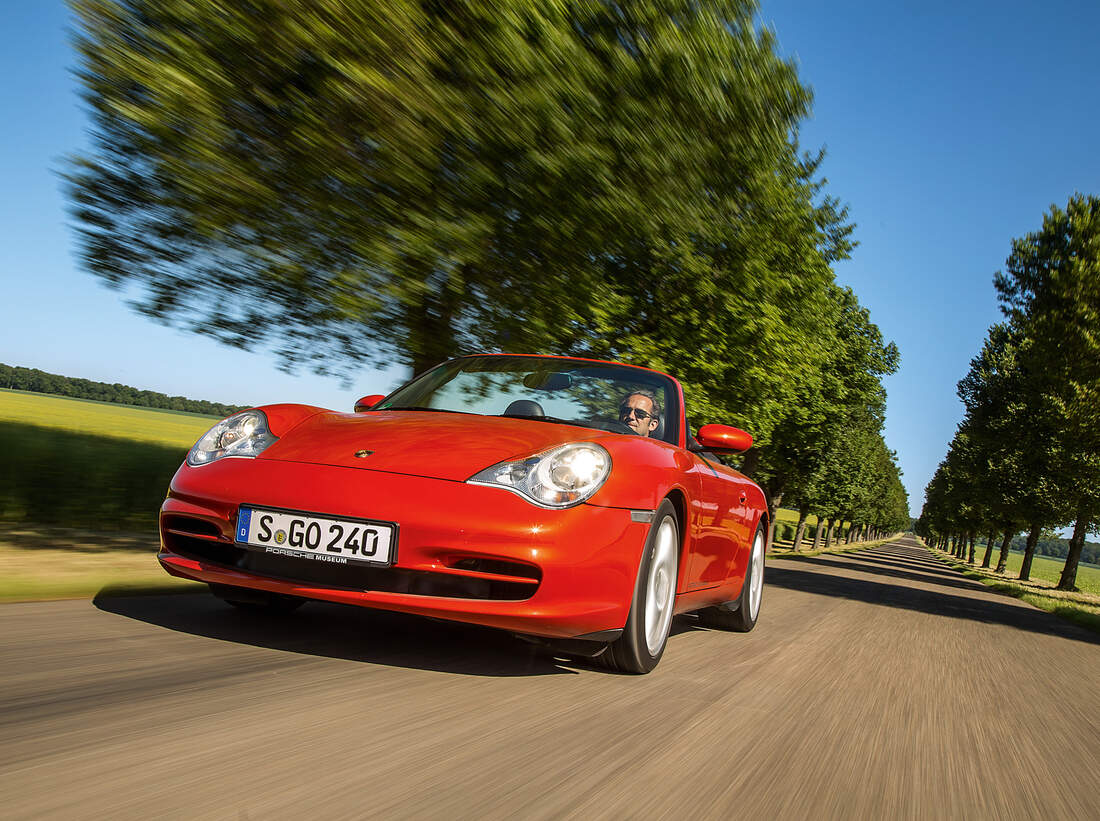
column 282, row 418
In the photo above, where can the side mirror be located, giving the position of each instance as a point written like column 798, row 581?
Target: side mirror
column 722, row 439
column 368, row 402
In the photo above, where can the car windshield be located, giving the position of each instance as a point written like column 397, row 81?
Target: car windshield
column 615, row 398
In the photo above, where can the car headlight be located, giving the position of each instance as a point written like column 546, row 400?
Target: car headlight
column 243, row 434
column 562, row 477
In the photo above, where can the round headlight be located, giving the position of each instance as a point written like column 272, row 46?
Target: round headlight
column 562, row 477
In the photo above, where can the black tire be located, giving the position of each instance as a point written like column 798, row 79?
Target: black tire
column 740, row 615
column 633, row 652
column 256, row 600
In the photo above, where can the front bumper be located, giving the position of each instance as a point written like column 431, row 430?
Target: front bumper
column 469, row 553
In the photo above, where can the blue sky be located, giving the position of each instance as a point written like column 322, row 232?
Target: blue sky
column 949, row 127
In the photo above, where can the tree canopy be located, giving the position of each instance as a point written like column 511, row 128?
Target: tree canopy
column 362, row 182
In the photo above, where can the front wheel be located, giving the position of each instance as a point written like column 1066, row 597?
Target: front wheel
column 646, row 632
column 740, row 615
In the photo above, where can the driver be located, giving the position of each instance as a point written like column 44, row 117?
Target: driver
column 641, row 411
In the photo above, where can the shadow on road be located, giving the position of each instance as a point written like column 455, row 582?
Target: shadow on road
column 896, row 559
column 1008, row 613
column 355, row 634
column 346, row 632
column 869, row 565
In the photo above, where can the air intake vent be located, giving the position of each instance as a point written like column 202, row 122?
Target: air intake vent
column 193, row 526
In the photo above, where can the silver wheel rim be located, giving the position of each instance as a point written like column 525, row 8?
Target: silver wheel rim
column 661, row 587
column 756, row 589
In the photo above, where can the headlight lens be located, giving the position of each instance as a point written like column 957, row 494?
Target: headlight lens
column 243, row 434
column 562, row 477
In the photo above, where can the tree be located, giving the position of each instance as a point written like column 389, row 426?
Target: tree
column 1012, row 435
column 1050, row 289
column 362, row 181
column 843, row 395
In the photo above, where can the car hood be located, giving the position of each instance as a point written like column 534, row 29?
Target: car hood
column 420, row 443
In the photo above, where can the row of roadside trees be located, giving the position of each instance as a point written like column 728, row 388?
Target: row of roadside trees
column 368, row 182
column 32, row 379
column 1026, row 457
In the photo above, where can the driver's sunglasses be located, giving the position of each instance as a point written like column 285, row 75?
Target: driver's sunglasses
column 626, row 410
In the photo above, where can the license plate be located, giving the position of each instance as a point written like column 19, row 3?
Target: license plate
column 320, row 538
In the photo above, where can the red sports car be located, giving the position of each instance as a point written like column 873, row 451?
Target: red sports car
column 562, row 499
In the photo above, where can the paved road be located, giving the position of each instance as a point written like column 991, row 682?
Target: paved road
column 877, row 684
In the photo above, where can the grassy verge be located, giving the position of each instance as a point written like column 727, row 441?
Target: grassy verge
column 38, row 563
column 782, row 549
column 1081, row 607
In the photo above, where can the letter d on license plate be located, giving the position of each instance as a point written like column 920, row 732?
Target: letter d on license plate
column 315, row 537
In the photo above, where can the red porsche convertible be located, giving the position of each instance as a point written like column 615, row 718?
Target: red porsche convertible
column 562, row 499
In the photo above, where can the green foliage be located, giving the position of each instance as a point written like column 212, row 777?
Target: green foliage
column 784, row 531
column 57, row 477
column 363, row 181
column 32, row 379
column 827, row 453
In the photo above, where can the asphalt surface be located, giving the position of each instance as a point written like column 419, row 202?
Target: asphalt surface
column 878, row 684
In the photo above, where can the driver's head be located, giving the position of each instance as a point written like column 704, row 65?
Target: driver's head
column 640, row 410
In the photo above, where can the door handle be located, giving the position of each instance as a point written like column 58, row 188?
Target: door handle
column 744, row 496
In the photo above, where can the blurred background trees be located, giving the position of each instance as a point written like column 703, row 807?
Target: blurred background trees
column 352, row 183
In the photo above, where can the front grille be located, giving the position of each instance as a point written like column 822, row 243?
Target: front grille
column 189, row 524
column 500, row 567
column 354, row 577
column 205, row 550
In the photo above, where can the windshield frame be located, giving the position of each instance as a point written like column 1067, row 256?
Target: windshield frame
column 673, row 411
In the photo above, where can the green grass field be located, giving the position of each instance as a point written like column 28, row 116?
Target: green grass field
column 82, row 464
column 81, row 483
column 1048, row 569
column 150, row 425
column 785, row 515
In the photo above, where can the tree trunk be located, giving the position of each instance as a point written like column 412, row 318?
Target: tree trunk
column 1002, row 560
column 830, row 530
column 1068, row 581
column 430, row 320
column 817, row 533
column 773, row 507
column 989, row 540
column 970, row 560
column 1029, row 551
column 803, row 512
column 751, row 463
